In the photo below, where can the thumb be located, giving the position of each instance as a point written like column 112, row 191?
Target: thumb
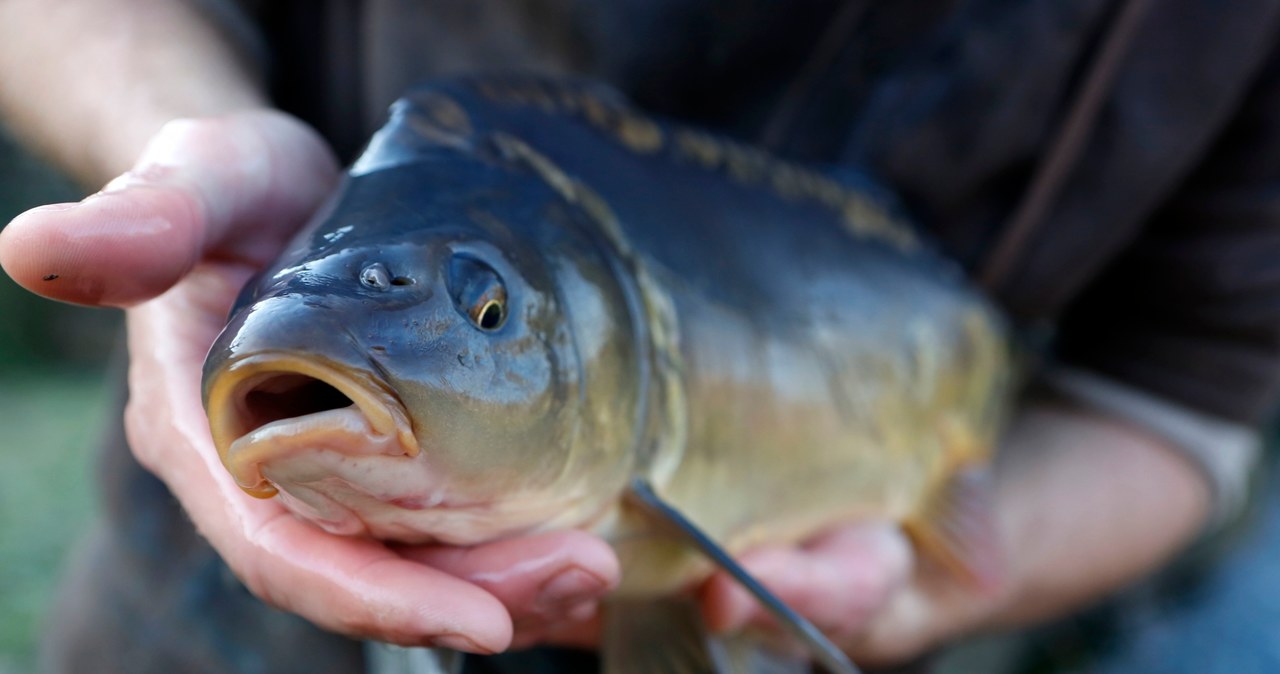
column 839, row 580
column 234, row 188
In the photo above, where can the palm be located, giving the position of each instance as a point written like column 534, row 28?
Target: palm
column 264, row 544
column 210, row 201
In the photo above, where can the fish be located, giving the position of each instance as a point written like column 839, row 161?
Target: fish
column 530, row 306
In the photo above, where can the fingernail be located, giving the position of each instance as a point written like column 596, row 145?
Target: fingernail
column 739, row 608
column 737, row 621
column 117, row 184
column 458, row 642
column 53, row 208
column 571, row 586
column 891, row 546
column 582, row 611
column 140, row 176
column 171, row 146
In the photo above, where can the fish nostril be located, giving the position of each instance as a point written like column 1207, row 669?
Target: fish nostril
column 287, row 396
column 376, row 276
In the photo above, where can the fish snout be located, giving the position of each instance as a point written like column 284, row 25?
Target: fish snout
column 271, row 414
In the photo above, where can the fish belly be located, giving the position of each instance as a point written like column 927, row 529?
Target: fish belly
column 855, row 407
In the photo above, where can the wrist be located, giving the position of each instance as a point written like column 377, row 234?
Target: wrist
column 87, row 84
column 1087, row 504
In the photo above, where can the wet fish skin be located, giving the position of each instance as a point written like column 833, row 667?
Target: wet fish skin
column 771, row 345
column 504, row 415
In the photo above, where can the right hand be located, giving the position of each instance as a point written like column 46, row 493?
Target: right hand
column 210, row 201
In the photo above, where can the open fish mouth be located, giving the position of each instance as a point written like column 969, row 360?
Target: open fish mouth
column 270, row 407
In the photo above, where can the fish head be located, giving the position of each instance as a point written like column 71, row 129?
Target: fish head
column 445, row 354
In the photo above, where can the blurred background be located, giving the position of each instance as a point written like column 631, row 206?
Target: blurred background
column 52, row 398
column 1215, row 612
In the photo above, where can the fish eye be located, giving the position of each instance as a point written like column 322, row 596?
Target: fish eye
column 489, row 315
column 478, row 292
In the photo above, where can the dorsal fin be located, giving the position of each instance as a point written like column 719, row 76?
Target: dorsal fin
column 821, row 648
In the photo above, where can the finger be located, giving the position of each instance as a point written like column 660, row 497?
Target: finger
column 838, row 580
column 232, row 187
column 357, row 587
column 545, row 578
column 580, row 628
column 901, row 631
column 361, row 588
column 933, row 608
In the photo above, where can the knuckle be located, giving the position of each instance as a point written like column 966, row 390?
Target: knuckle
column 869, row 588
column 135, row 429
column 253, row 580
column 354, row 623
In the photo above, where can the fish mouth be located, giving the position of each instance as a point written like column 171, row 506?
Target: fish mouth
column 271, row 406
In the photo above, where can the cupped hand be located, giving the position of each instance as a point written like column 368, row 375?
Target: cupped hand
column 209, row 201
column 863, row 586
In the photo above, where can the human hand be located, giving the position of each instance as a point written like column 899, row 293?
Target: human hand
column 862, row 585
column 209, row 201
column 1070, row 484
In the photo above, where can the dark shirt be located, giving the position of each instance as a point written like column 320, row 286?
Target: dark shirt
column 1158, row 263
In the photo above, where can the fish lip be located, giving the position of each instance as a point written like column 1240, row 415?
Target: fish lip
column 385, row 413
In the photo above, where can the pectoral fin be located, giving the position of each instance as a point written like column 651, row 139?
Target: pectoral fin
column 382, row 658
column 821, row 649
column 652, row 637
column 668, row 637
column 956, row 528
column 740, row 653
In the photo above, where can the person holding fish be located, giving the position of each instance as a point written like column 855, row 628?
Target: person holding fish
column 1093, row 166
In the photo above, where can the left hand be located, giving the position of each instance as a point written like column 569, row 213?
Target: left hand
column 211, row 201
column 1070, row 484
column 860, row 585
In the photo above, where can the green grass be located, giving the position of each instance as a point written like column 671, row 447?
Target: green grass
column 48, row 423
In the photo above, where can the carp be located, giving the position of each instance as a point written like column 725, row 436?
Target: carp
column 529, row 306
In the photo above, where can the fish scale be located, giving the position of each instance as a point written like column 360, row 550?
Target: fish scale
column 607, row 321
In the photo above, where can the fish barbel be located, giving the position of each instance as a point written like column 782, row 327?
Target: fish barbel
column 526, row 298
